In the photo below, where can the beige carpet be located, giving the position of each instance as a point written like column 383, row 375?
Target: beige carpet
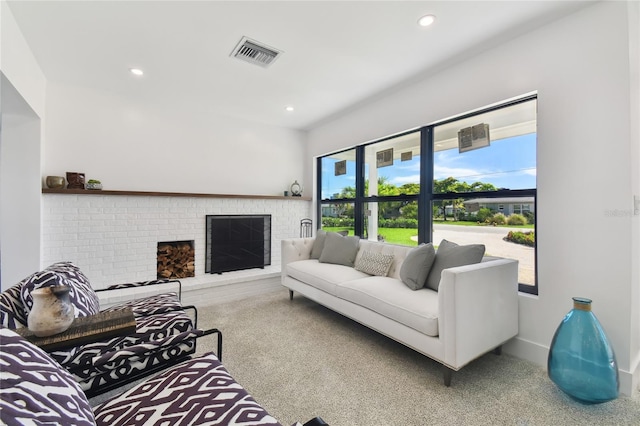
column 301, row 360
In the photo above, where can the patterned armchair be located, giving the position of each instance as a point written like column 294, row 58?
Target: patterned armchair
column 165, row 333
column 36, row 390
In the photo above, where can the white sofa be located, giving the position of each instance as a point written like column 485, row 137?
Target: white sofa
column 474, row 311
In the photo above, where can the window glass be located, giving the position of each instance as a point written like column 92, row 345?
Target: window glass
column 501, row 156
column 505, row 158
column 393, row 222
column 338, row 217
column 394, row 164
column 339, row 175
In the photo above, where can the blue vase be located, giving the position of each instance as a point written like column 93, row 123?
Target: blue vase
column 581, row 361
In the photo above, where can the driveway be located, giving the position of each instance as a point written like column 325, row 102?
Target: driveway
column 492, row 238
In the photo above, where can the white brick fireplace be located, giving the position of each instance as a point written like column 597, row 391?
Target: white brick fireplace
column 113, row 238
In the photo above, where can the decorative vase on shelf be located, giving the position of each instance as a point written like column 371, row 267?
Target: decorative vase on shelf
column 52, row 311
column 581, row 361
column 296, row 189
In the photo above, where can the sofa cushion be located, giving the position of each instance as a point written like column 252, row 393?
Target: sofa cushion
column 450, row 255
column 339, row 250
column 34, row 389
column 81, row 295
column 416, row 266
column 323, row 276
column 391, row 298
column 374, row 263
column 318, row 244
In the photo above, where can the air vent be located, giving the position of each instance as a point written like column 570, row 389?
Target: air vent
column 255, row 52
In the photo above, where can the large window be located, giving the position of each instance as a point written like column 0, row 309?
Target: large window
column 470, row 179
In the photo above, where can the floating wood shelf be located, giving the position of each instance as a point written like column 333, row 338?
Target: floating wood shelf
column 167, row 194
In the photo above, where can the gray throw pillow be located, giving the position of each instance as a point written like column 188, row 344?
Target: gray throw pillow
column 416, row 266
column 450, row 255
column 318, row 244
column 339, row 250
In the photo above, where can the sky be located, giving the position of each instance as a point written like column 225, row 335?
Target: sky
column 506, row 163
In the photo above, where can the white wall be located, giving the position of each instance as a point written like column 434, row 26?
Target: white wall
column 634, row 158
column 19, row 188
column 130, row 145
column 22, row 95
column 580, row 68
column 18, row 63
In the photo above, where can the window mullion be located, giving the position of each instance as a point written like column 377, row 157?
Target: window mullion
column 358, row 207
column 425, row 212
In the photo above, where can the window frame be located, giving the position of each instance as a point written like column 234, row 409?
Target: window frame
column 426, row 196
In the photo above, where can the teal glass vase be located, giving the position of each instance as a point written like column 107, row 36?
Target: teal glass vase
column 581, row 361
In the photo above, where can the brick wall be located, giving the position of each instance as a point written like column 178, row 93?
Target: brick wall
column 113, row 238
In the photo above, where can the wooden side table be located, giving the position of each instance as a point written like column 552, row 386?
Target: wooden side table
column 83, row 330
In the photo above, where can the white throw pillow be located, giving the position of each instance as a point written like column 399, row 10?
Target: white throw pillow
column 374, row 263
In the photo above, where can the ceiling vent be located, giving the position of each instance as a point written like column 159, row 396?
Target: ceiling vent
column 255, row 52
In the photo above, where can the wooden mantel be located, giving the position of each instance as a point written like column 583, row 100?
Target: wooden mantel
column 167, row 194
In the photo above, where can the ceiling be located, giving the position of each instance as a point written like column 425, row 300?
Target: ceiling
column 337, row 54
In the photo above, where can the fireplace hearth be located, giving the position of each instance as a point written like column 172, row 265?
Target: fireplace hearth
column 237, row 242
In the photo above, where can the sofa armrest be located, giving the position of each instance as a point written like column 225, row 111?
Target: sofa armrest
column 478, row 309
column 294, row 249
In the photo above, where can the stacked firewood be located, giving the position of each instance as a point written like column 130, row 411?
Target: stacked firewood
column 176, row 260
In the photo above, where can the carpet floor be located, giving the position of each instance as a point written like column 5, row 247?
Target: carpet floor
column 301, row 360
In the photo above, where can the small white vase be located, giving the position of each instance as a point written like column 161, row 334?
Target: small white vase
column 52, row 311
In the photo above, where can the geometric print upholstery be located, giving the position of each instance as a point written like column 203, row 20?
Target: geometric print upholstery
column 197, row 392
column 82, row 296
column 152, row 305
column 158, row 339
column 35, row 390
column 12, row 313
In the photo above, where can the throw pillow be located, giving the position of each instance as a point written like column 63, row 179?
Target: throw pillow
column 35, row 389
column 416, row 266
column 82, row 296
column 374, row 263
column 339, row 250
column 318, row 244
column 450, row 255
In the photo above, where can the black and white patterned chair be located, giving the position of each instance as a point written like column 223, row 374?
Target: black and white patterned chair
column 34, row 389
column 165, row 332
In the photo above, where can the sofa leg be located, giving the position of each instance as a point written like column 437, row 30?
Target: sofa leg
column 498, row 350
column 446, row 374
column 290, row 294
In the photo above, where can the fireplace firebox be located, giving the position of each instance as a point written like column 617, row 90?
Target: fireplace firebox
column 237, row 242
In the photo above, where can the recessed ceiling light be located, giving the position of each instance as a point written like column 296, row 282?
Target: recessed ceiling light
column 288, row 108
column 426, row 20
column 136, row 71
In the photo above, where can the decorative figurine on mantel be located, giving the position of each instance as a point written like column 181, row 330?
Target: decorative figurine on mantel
column 296, row 189
column 75, row 180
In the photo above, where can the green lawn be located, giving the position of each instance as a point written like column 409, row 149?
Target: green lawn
column 391, row 235
column 403, row 235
